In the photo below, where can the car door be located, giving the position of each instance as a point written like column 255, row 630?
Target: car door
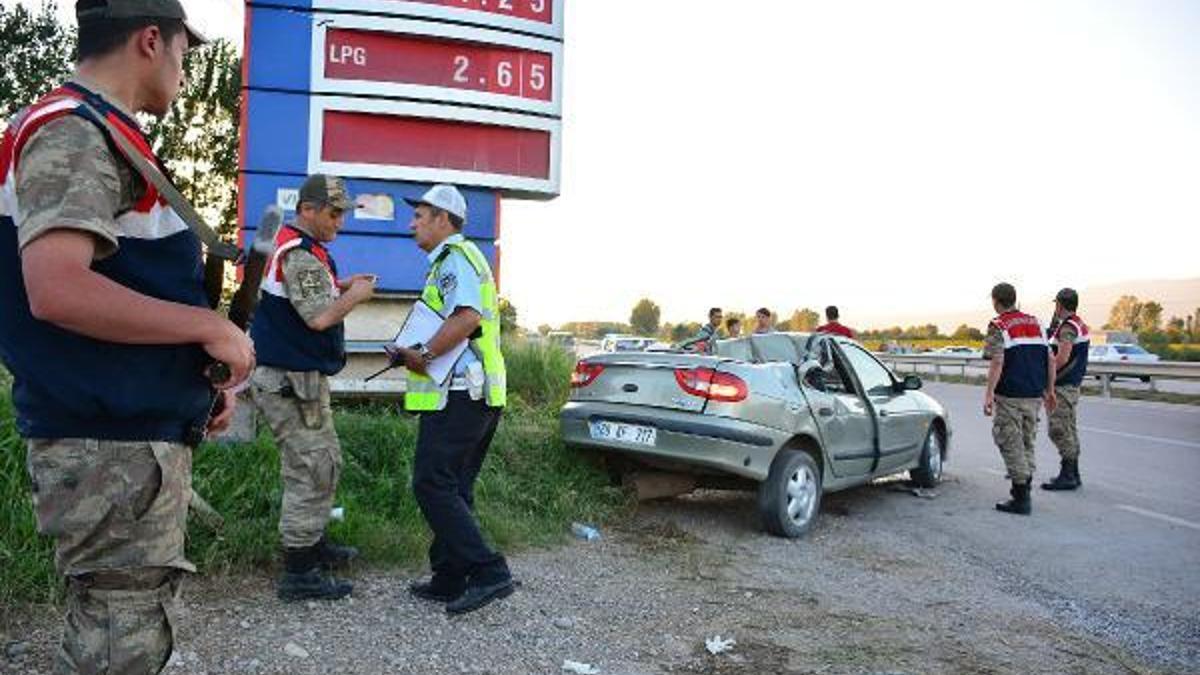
column 901, row 422
column 846, row 424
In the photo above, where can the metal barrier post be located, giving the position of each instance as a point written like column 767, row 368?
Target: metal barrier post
column 937, row 372
column 1153, row 384
column 1107, row 383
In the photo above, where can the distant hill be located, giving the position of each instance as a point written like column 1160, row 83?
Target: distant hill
column 1179, row 297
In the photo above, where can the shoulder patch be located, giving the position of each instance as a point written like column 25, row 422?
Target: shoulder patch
column 447, row 282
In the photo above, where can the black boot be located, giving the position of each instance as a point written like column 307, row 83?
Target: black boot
column 1066, row 478
column 334, row 556
column 1075, row 470
column 303, row 578
column 1020, row 502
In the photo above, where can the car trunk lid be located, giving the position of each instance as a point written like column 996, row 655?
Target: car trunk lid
column 643, row 379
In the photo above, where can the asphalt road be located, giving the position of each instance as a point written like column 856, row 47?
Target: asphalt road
column 1122, row 553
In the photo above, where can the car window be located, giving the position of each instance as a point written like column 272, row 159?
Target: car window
column 738, row 348
column 874, row 377
column 1130, row 349
column 776, row 347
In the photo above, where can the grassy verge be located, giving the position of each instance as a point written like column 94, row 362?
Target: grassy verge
column 530, row 489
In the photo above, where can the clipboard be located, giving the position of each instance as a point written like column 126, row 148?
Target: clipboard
column 422, row 324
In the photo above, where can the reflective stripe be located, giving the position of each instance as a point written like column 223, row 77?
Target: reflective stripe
column 423, row 394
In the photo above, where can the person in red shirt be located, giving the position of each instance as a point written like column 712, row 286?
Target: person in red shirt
column 832, row 326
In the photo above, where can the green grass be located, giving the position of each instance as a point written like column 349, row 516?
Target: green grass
column 530, row 489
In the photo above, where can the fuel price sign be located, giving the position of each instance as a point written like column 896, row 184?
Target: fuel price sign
column 399, row 58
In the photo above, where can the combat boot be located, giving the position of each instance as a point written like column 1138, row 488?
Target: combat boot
column 1020, row 502
column 1066, row 478
column 1075, row 470
column 334, row 556
column 303, row 578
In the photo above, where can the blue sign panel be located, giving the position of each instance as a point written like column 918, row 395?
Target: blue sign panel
column 395, row 95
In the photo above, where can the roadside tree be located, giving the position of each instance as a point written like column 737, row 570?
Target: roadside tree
column 965, row 332
column 804, row 320
column 508, row 317
column 644, row 318
column 35, row 54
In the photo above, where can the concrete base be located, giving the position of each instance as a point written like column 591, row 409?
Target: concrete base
column 379, row 319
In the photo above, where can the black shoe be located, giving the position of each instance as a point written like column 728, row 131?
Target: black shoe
column 1075, row 472
column 334, row 556
column 1065, row 480
column 477, row 596
column 312, row 585
column 436, row 590
column 1020, row 502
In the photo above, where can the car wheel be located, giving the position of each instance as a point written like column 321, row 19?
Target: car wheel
column 928, row 473
column 790, row 497
column 1145, row 378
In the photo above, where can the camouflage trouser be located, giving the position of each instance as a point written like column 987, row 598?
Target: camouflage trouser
column 296, row 406
column 117, row 511
column 1014, row 428
column 1062, row 422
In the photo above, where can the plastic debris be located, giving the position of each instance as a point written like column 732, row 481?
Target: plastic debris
column 337, row 513
column 580, row 668
column 585, row 532
column 718, row 645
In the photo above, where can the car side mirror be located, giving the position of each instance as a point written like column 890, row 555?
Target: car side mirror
column 911, row 383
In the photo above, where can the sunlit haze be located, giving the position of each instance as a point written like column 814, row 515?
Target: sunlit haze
column 896, row 159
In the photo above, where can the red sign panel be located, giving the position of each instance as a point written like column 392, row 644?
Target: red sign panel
column 532, row 10
column 365, row 138
column 352, row 54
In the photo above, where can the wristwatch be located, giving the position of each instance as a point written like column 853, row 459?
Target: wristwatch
column 426, row 355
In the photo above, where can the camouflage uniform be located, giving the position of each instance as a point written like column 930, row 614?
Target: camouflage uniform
column 116, row 510
column 1014, row 421
column 296, row 406
column 1062, row 422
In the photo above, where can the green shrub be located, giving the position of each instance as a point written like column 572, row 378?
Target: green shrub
column 530, row 489
column 538, row 374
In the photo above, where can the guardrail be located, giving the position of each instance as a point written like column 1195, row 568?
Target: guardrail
column 1106, row 371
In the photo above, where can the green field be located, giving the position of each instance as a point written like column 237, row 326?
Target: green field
column 530, row 490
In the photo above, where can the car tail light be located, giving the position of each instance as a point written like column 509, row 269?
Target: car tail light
column 585, row 374
column 708, row 383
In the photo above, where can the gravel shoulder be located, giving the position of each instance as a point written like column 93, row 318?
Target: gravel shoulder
column 871, row 590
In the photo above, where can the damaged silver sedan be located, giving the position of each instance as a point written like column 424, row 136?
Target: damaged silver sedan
column 791, row 415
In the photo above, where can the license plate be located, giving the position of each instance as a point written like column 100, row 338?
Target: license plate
column 603, row 430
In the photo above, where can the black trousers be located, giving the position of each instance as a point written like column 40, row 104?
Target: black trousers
column 451, row 446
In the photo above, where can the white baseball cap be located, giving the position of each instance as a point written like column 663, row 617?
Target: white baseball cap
column 444, row 197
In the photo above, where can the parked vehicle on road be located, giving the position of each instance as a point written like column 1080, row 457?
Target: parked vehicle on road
column 1111, row 353
column 1121, row 353
column 791, row 415
column 959, row 351
column 561, row 338
column 625, row 343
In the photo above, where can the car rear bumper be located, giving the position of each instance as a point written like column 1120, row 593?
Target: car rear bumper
column 726, row 445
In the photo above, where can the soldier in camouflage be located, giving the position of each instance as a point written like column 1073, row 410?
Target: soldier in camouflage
column 1070, row 341
column 1020, row 377
column 299, row 336
column 107, row 333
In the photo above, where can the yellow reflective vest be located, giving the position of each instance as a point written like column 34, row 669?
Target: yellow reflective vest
column 423, row 394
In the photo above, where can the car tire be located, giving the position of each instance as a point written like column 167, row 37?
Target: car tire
column 928, row 473
column 790, row 498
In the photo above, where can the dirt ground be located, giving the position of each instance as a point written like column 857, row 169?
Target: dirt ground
column 870, row 590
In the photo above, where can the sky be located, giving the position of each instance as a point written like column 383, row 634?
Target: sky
column 894, row 158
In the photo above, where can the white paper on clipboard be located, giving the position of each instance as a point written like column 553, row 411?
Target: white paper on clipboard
column 420, row 326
